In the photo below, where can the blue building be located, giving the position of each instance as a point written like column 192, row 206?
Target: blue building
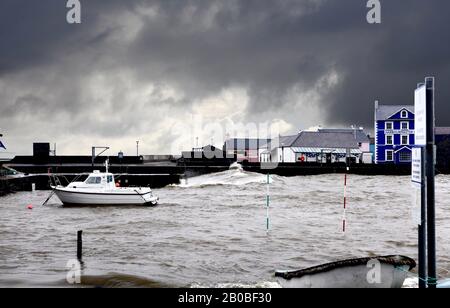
column 394, row 133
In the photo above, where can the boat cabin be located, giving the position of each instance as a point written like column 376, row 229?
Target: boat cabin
column 96, row 180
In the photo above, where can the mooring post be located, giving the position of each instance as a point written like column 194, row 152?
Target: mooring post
column 430, row 174
column 80, row 245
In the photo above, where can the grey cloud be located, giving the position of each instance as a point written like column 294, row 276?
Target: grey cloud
column 203, row 47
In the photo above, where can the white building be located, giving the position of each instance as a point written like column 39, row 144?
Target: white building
column 317, row 146
column 361, row 137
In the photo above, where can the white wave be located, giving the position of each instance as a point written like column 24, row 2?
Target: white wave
column 235, row 176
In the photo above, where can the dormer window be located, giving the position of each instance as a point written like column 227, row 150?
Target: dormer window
column 404, row 114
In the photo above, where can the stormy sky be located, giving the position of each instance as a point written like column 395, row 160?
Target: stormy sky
column 165, row 72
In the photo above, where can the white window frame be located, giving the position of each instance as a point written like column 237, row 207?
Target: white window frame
column 386, row 140
column 386, row 124
column 404, row 161
column 386, row 155
column 402, row 114
column 407, row 125
column 407, row 140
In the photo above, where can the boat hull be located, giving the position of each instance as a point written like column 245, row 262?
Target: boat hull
column 355, row 277
column 127, row 198
column 390, row 272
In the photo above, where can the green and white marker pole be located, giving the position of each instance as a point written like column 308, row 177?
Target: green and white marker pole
column 267, row 204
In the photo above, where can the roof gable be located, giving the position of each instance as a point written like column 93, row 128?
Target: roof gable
column 385, row 112
column 397, row 115
column 403, row 148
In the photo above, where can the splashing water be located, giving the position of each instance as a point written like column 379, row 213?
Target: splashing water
column 235, row 176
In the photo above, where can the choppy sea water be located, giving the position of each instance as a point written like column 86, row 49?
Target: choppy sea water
column 211, row 232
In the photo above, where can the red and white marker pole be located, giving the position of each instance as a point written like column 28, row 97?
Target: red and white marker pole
column 345, row 203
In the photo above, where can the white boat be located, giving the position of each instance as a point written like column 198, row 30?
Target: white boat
column 99, row 189
column 352, row 273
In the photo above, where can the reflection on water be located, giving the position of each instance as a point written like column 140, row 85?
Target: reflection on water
column 211, row 231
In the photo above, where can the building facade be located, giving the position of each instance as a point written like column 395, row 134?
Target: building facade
column 362, row 138
column 318, row 147
column 394, row 133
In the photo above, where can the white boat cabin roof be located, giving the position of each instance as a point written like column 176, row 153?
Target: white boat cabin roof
column 96, row 177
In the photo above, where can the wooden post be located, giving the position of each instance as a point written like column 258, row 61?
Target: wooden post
column 80, row 245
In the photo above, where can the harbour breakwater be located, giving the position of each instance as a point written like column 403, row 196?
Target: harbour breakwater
column 136, row 171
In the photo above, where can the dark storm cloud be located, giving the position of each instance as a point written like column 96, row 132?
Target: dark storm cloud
column 412, row 42
column 203, row 47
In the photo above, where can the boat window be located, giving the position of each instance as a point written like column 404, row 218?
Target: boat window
column 110, row 178
column 94, row 180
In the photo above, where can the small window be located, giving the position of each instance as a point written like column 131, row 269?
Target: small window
column 405, row 140
column 404, row 125
column 389, row 140
column 110, row 178
column 405, row 156
column 404, row 114
column 389, row 125
column 94, row 180
column 389, row 155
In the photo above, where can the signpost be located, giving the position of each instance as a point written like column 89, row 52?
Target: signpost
column 430, row 188
column 422, row 176
column 417, row 178
column 416, row 167
column 420, row 118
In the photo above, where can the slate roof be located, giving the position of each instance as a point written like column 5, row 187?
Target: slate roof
column 386, row 111
column 361, row 136
column 326, row 140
